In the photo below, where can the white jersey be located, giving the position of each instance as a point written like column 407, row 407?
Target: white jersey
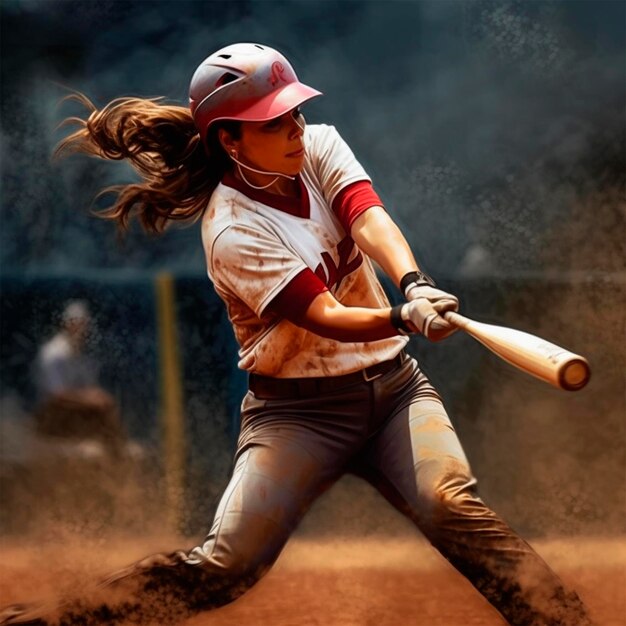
column 254, row 250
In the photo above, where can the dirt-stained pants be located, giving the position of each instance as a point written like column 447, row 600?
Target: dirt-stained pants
column 394, row 432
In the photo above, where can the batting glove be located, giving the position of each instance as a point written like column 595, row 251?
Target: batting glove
column 423, row 313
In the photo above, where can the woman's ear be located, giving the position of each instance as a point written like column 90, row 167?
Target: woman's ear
column 226, row 139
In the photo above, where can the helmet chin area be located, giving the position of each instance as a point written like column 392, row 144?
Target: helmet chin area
column 258, row 171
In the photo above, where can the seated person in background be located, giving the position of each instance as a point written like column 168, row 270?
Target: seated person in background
column 71, row 404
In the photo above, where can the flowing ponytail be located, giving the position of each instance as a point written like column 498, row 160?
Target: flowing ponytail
column 162, row 144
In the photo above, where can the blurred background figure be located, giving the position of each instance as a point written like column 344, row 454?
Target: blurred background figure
column 71, row 403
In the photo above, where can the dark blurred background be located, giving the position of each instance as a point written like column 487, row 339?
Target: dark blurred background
column 494, row 132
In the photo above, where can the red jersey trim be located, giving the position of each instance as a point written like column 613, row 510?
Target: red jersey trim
column 300, row 206
column 354, row 200
column 295, row 298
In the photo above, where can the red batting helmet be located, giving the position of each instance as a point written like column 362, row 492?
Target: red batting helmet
column 247, row 82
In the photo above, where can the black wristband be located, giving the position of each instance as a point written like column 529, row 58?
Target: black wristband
column 396, row 320
column 418, row 278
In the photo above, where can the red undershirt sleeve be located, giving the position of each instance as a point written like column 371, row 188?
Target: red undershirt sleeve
column 353, row 200
column 295, row 298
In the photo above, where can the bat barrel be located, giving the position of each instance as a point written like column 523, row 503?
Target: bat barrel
column 574, row 374
column 529, row 353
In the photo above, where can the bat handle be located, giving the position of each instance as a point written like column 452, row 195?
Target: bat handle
column 456, row 319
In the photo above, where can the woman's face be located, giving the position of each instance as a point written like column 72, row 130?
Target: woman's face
column 274, row 146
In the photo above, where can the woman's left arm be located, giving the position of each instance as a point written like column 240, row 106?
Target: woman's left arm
column 380, row 238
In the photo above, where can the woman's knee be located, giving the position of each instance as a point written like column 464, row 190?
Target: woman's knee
column 449, row 495
column 223, row 576
column 192, row 582
column 214, row 589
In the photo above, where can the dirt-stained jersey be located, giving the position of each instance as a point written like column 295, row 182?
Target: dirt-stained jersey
column 253, row 251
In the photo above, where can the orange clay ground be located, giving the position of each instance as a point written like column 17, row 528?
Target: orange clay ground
column 351, row 582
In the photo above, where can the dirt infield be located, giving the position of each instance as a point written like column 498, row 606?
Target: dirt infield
column 390, row 582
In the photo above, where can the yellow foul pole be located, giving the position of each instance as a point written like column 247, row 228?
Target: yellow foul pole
column 171, row 401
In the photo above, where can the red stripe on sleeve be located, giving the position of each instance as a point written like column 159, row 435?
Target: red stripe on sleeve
column 353, row 200
column 295, row 298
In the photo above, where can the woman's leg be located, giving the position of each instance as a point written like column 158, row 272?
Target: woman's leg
column 417, row 462
column 282, row 465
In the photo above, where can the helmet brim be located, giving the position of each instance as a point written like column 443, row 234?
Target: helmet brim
column 274, row 104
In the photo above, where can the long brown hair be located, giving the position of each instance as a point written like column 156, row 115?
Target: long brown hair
column 162, row 144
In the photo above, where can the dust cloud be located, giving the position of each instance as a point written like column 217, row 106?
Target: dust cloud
column 493, row 131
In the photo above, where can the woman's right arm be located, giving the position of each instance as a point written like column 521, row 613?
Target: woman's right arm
column 327, row 317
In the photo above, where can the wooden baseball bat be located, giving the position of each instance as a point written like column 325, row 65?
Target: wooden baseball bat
column 531, row 354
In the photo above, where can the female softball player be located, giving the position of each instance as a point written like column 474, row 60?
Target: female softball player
column 290, row 227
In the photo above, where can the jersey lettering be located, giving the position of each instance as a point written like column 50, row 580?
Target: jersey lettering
column 331, row 274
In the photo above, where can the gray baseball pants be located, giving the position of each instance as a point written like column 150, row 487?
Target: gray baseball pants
column 297, row 438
